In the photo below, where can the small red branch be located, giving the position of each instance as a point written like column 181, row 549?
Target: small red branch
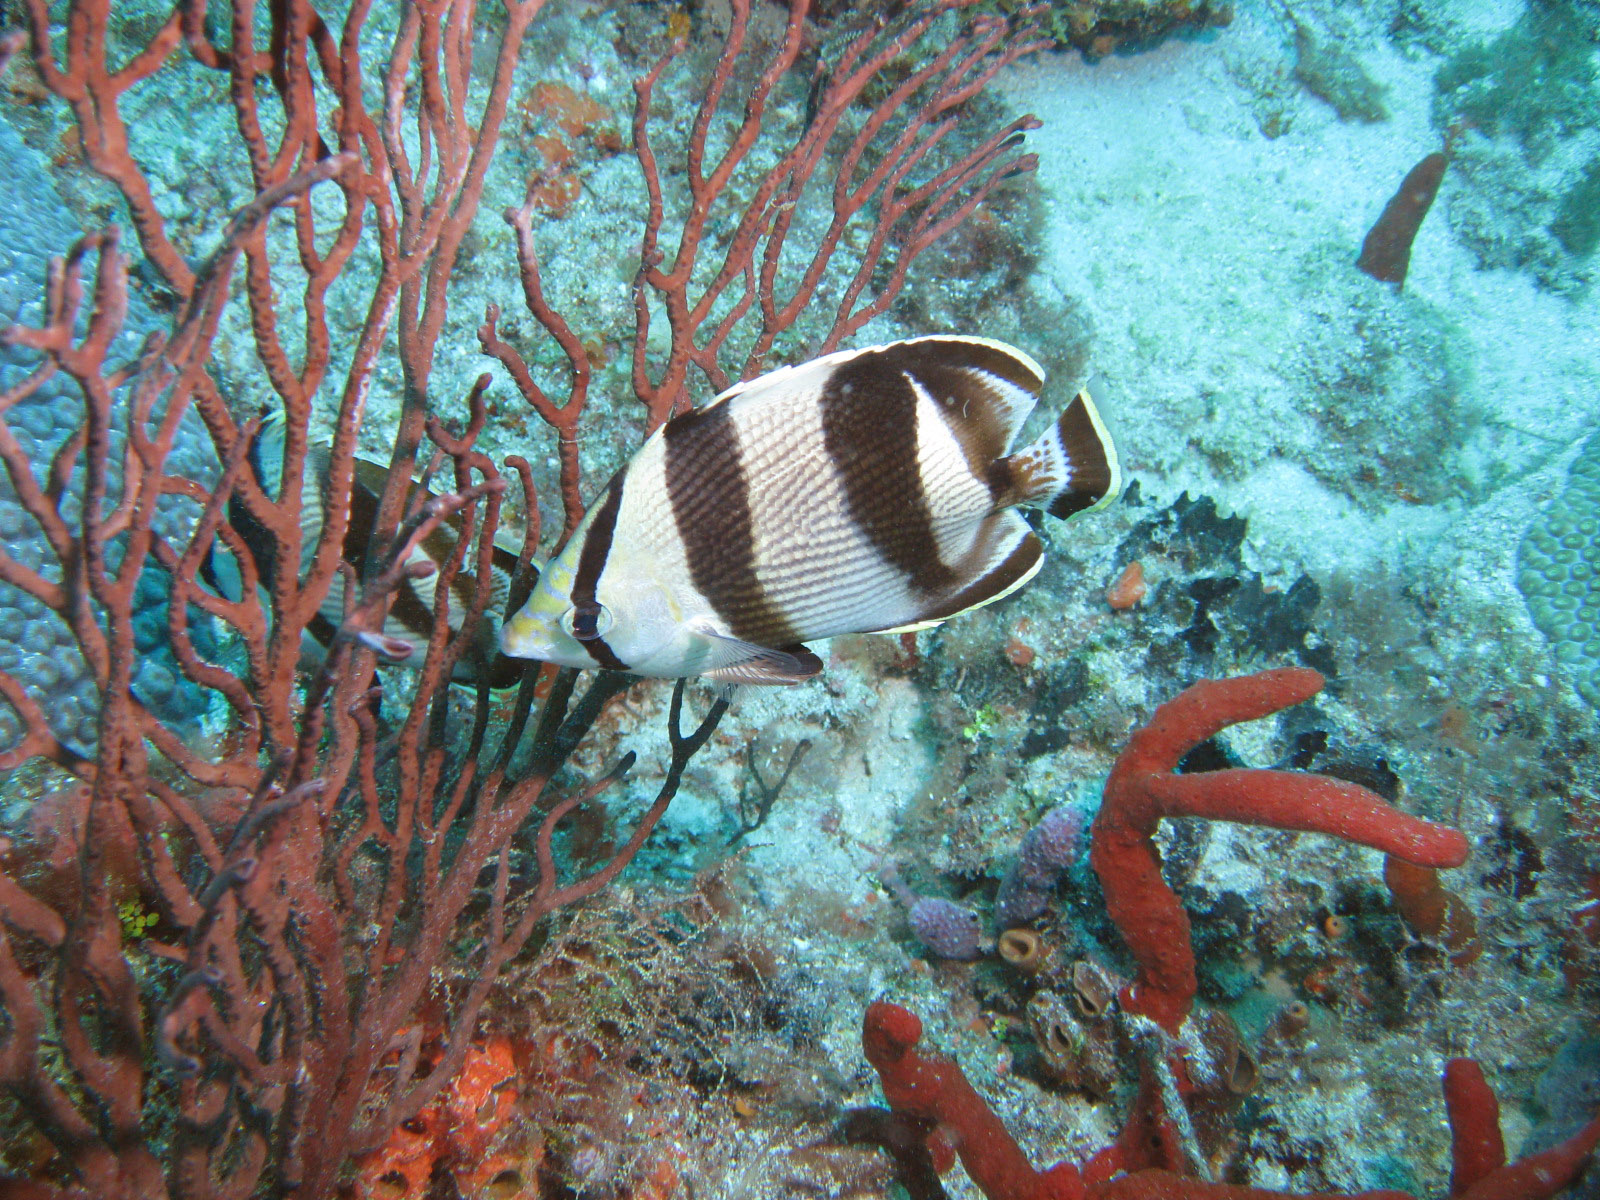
column 1142, row 789
column 1386, row 252
column 1476, row 1147
column 1431, row 911
column 932, row 1087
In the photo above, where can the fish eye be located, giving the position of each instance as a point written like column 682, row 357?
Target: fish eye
column 588, row 622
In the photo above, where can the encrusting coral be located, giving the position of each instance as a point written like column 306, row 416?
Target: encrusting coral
column 1557, row 575
column 1153, row 1157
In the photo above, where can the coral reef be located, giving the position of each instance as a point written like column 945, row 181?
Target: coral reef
column 476, row 1134
column 35, row 646
column 1359, row 463
column 1559, row 572
column 1384, row 379
column 1159, row 1151
column 338, row 842
column 1526, row 103
column 1102, row 27
column 1142, row 789
column 1206, row 607
column 1329, row 71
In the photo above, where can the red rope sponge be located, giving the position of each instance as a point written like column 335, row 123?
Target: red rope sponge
column 1143, row 788
column 917, row 1083
column 932, row 1086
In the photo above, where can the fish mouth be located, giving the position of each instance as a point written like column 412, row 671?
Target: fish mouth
column 532, row 637
column 525, row 637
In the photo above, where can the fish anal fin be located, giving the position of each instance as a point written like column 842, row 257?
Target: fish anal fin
column 1071, row 468
column 915, row 626
column 763, row 664
column 1013, row 557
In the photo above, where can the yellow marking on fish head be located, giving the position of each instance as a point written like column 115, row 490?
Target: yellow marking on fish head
column 541, row 629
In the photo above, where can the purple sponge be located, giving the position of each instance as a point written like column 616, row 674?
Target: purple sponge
column 947, row 929
column 1047, row 850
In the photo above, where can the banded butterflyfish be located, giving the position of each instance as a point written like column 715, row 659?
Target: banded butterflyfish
column 865, row 491
column 411, row 615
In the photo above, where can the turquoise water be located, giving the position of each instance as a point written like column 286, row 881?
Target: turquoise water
column 262, row 902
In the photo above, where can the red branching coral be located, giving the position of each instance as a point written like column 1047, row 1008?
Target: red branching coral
column 1146, row 1161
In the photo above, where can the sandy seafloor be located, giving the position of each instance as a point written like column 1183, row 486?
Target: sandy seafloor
column 1391, row 446
column 1206, row 253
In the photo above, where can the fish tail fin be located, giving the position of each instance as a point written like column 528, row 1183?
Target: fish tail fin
column 1071, row 468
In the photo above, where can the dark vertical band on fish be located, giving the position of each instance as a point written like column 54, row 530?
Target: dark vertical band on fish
column 874, row 448
column 710, row 498
column 591, row 562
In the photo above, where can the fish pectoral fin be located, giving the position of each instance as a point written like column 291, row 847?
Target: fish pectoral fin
column 762, row 664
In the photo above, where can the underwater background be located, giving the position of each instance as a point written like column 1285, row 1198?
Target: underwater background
column 1395, row 483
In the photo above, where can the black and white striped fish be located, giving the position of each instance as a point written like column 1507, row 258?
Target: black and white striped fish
column 865, row 491
column 411, row 616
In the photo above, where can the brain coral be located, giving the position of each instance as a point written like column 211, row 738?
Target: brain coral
column 35, row 645
column 1559, row 572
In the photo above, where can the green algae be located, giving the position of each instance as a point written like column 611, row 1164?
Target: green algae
column 1536, row 81
column 1577, row 221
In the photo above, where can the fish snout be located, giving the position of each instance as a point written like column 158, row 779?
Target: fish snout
column 537, row 632
column 527, row 636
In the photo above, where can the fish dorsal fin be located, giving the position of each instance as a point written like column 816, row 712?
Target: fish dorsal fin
column 266, row 461
column 507, row 542
column 782, row 381
column 1072, row 468
column 985, row 388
